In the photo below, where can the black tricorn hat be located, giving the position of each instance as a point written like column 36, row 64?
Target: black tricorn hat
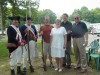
column 14, row 18
column 27, row 18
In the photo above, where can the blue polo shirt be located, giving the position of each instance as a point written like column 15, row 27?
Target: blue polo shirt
column 78, row 30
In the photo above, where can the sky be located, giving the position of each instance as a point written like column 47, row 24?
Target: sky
column 67, row 6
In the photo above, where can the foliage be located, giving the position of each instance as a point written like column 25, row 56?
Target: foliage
column 92, row 16
column 41, row 14
column 18, row 7
column 3, row 10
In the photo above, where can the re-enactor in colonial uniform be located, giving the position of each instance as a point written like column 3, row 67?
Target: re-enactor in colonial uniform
column 29, row 34
column 14, row 44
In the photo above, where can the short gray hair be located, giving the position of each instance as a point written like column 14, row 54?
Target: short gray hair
column 76, row 15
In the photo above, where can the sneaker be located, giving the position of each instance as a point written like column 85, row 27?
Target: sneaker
column 60, row 70
column 56, row 69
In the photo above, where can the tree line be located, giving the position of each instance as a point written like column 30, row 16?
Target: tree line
column 25, row 8
column 92, row 16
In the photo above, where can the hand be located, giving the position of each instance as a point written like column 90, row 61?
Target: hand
column 64, row 46
column 35, row 39
column 69, row 31
column 22, row 44
column 41, row 33
column 85, row 44
column 26, row 31
column 23, row 41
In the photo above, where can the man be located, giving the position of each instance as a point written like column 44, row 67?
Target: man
column 14, row 44
column 29, row 34
column 45, row 33
column 68, row 27
column 80, row 41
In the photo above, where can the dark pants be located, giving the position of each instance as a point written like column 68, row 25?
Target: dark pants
column 67, row 58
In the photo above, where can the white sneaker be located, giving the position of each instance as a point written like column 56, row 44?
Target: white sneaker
column 61, row 69
column 56, row 69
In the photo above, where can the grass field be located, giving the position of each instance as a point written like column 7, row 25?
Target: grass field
column 4, row 64
column 3, row 50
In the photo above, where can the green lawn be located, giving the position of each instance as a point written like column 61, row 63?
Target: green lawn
column 4, row 64
column 3, row 49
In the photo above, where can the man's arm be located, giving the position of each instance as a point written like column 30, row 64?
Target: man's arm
column 85, row 35
column 70, row 29
column 86, row 38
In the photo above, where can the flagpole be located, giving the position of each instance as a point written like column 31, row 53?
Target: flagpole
column 30, row 8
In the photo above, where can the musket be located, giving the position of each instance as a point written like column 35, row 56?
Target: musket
column 29, row 51
column 43, row 59
column 44, row 62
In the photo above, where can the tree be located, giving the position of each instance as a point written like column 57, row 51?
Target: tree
column 84, row 8
column 21, row 8
column 76, row 11
column 3, row 9
column 41, row 14
column 92, row 16
column 96, row 15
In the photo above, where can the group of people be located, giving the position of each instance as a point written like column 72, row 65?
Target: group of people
column 21, row 43
column 56, row 43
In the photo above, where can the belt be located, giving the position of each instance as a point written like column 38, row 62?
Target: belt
column 77, row 36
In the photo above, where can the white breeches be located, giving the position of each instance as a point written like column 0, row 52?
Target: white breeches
column 16, row 57
column 32, row 45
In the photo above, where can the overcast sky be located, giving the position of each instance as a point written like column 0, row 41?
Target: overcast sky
column 67, row 6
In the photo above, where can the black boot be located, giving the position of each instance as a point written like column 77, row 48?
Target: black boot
column 24, row 71
column 19, row 70
column 31, row 69
column 12, row 72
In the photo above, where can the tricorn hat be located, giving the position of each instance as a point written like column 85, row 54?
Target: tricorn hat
column 14, row 18
column 27, row 18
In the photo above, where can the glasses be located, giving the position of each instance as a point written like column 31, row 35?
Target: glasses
column 76, row 18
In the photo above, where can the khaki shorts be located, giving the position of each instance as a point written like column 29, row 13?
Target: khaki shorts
column 47, row 49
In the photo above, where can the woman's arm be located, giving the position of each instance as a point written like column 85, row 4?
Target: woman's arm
column 65, row 40
column 50, row 40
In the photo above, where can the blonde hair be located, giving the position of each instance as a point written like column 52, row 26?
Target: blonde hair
column 58, row 20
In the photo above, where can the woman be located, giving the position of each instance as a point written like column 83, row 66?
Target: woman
column 58, row 44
